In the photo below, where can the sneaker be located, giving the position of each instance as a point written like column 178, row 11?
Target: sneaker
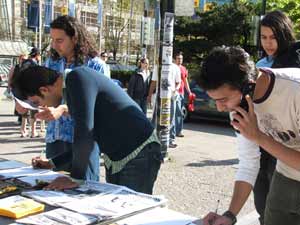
column 180, row 135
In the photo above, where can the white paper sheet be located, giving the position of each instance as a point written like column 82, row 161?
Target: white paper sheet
column 38, row 220
column 69, row 217
column 26, row 105
column 49, row 197
column 20, row 172
column 115, row 204
column 161, row 216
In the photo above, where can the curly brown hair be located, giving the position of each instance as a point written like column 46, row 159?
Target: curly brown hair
column 85, row 46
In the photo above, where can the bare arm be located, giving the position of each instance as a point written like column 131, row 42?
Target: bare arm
column 247, row 125
column 186, row 85
column 240, row 195
column 51, row 113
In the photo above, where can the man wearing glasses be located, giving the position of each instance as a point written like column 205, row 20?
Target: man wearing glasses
column 104, row 57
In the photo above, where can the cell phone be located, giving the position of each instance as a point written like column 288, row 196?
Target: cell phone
column 248, row 89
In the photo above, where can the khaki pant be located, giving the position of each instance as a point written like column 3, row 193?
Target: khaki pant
column 283, row 202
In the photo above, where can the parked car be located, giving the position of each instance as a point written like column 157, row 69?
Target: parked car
column 205, row 107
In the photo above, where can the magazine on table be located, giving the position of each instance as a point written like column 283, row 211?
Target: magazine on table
column 20, row 172
column 59, row 217
column 18, row 206
column 98, row 187
column 120, row 203
column 49, row 197
column 34, row 179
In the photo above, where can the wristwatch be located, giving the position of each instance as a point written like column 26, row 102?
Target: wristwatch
column 230, row 215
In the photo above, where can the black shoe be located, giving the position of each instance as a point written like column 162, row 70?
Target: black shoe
column 180, row 135
column 172, row 145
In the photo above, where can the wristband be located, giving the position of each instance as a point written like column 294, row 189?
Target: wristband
column 230, row 215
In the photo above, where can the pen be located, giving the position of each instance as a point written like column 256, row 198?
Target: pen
column 217, row 208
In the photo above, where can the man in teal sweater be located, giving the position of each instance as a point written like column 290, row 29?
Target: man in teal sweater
column 103, row 114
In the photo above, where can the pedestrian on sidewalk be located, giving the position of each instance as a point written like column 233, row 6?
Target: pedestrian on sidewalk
column 184, row 85
column 139, row 84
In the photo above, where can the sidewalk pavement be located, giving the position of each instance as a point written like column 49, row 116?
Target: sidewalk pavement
column 200, row 171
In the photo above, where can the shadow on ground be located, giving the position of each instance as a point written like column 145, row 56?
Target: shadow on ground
column 20, row 153
column 21, row 140
column 227, row 162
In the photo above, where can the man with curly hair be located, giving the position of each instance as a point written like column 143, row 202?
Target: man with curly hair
column 72, row 46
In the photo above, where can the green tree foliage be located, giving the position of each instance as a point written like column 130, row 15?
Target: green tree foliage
column 227, row 24
column 291, row 8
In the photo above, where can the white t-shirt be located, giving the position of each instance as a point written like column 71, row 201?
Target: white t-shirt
column 278, row 115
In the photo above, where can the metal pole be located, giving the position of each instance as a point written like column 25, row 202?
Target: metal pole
column 129, row 32
column 40, row 26
column 163, row 99
column 100, row 34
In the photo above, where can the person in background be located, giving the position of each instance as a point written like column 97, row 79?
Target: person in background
column 279, row 48
column 22, row 117
column 184, row 85
column 139, row 83
column 104, row 57
column 72, row 46
column 34, row 59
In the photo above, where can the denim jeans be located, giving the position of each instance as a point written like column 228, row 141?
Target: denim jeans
column 141, row 172
column 172, row 119
column 178, row 114
column 283, row 202
column 263, row 183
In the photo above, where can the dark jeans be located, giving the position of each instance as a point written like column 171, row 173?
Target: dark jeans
column 263, row 182
column 56, row 148
column 143, row 104
column 179, row 114
column 283, row 202
column 141, row 172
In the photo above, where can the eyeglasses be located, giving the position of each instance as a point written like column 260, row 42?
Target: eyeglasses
column 104, row 56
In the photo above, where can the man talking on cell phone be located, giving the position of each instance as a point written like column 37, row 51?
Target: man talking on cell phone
column 272, row 122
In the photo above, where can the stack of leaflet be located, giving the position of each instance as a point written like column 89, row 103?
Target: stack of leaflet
column 28, row 176
column 18, row 206
column 58, row 217
column 114, row 205
column 20, row 172
column 88, row 189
